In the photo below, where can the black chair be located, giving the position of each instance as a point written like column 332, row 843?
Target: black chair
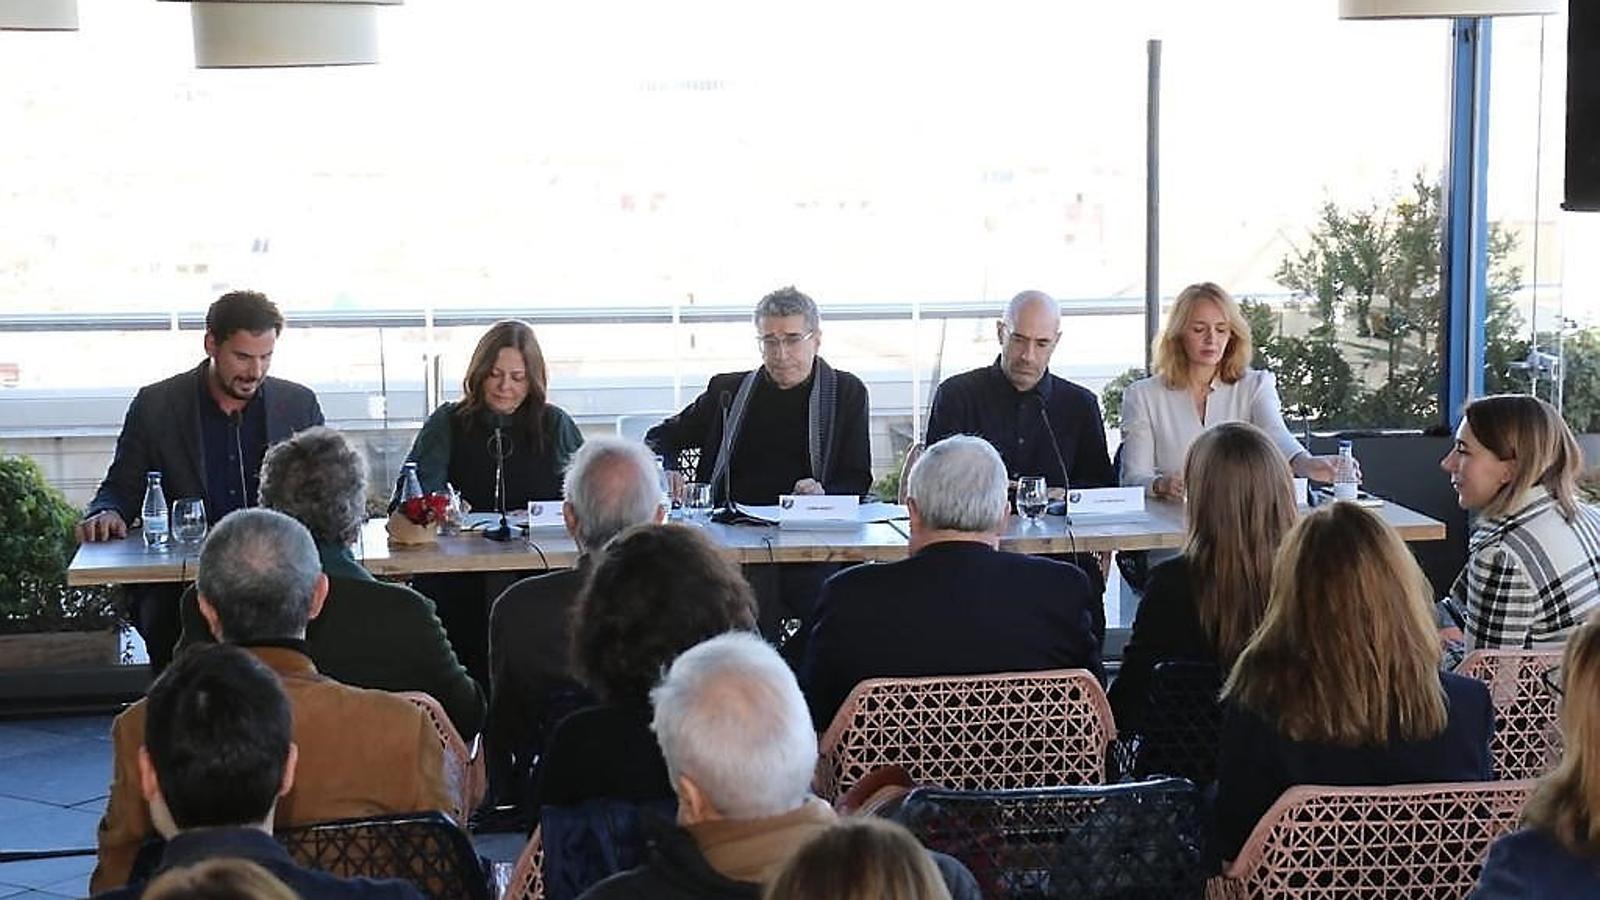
column 1182, row 724
column 426, row 849
column 1122, row 841
column 585, row 844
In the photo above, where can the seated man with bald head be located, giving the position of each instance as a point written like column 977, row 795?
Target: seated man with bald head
column 610, row 486
column 958, row 605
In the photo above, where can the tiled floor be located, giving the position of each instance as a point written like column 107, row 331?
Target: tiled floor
column 53, row 779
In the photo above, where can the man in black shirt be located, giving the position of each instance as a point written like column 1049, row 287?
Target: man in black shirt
column 794, row 426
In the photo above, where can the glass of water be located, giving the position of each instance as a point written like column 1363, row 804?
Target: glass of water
column 1032, row 497
column 697, row 501
column 189, row 521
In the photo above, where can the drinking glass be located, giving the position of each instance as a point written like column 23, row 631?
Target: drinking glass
column 189, row 521
column 1032, row 497
column 697, row 501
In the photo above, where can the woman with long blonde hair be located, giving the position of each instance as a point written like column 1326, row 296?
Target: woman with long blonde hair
column 1340, row 685
column 1203, row 605
column 1557, row 852
column 1202, row 378
column 1533, row 568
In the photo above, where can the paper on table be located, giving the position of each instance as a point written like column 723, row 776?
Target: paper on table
column 867, row 513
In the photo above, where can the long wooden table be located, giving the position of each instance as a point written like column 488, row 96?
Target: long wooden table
column 128, row 561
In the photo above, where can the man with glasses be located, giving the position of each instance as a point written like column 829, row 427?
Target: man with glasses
column 796, row 425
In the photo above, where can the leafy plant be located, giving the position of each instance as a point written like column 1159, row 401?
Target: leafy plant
column 1111, row 395
column 36, row 545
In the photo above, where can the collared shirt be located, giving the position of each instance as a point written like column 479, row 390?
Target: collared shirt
column 984, row 403
column 1160, row 422
column 222, row 439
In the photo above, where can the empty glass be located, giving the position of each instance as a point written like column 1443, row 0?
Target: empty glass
column 1032, row 497
column 697, row 501
column 189, row 521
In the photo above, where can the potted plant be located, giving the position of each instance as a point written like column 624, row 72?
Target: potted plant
column 43, row 621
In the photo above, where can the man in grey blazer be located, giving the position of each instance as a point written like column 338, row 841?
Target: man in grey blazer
column 205, row 430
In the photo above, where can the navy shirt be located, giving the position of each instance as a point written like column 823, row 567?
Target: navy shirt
column 231, row 482
column 983, row 402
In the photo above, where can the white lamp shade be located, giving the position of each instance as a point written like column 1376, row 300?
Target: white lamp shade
column 247, row 34
column 1445, row 9
column 38, row 15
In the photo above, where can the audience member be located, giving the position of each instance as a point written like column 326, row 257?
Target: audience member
column 959, row 605
column 610, row 486
column 204, row 430
column 863, row 858
column 1203, row 605
column 1340, row 684
column 738, row 745
column 1202, row 378
column 361, row 752
column 1556, row 854
column 1533, row 569
column 656, row 590
column 217, row 757
column 369, row 633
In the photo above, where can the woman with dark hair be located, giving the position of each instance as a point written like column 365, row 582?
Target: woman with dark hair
column 1340, row 684
column 505, row 385
column 1533, row 568
column 655, row 591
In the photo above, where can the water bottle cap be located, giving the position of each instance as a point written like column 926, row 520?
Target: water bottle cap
column 155, row 475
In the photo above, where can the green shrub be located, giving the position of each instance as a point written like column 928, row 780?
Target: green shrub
column 36, row 546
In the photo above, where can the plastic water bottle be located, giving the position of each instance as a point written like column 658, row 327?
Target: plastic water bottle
column 664, row 482
column 154, row 513
column 1344, row 473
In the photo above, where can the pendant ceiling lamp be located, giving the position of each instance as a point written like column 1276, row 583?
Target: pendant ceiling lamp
column 38, row 15
column 1445, row 9
column 234, row 34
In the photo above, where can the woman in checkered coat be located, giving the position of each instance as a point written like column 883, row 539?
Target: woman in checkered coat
column 1533, row 570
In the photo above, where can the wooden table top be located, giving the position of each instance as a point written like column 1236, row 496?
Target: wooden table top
column 128, row 561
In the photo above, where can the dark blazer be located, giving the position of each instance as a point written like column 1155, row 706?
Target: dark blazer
column 1165, row 629
column 254, row 845
column 532, row 685
column 1531, row 864
column 954, row 608
column 605, row 751
column 1257, row 764
column 375, row 635
column 161, row 433
column 699, row 425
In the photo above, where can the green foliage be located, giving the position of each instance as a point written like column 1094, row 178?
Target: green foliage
column 1111, row 395
column 36, row 545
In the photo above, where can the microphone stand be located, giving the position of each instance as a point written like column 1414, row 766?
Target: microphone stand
column 729, row 513
column 1055, row 447
column 501, row 532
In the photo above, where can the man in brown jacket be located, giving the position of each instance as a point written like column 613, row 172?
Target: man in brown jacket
column 362, row 752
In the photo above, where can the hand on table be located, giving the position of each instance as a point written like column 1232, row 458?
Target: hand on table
column 808, row 486
column 1325, row 468
column 102, row 526
column 1168, row 487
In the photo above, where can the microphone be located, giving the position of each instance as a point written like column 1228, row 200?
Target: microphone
column 729, row 513
column 1055, row 447
column 236, row 419
column 497, row 448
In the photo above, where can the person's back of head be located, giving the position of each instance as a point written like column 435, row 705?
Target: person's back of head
column 1531, row 435
column 1567, row 803
column 1347, row 652
column 865, row 858
column 217, row 741
column 260, row 577
column 655, row 591
column 218, row 879
column 731, row 722
column 610, row 486
column 958, row 485
column 318, row 478
column 1241, row 504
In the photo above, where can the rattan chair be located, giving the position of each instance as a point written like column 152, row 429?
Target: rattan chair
column 1527, row 713
column 465, row 773
column 971, row 732
column 426, row 849
column 527, row 878
column 1181, row 728
column 1409, row 842
column 588, row 843
column 1127, row 841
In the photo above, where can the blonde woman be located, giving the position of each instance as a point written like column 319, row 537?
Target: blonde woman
column 1203, row 605
column 1340, row 685
column 1202, row 378
column 219, row 879
column 859, row 859
column 1533, row 568
column 1557, row 852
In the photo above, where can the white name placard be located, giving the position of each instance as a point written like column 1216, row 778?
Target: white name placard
column 1104, row 503
column 819, row 511
column 545, row 514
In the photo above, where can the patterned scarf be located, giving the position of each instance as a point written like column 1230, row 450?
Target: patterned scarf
column 824, row 407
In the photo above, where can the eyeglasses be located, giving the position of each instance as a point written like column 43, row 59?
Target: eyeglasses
column 770, row 343
column 1554, row 679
